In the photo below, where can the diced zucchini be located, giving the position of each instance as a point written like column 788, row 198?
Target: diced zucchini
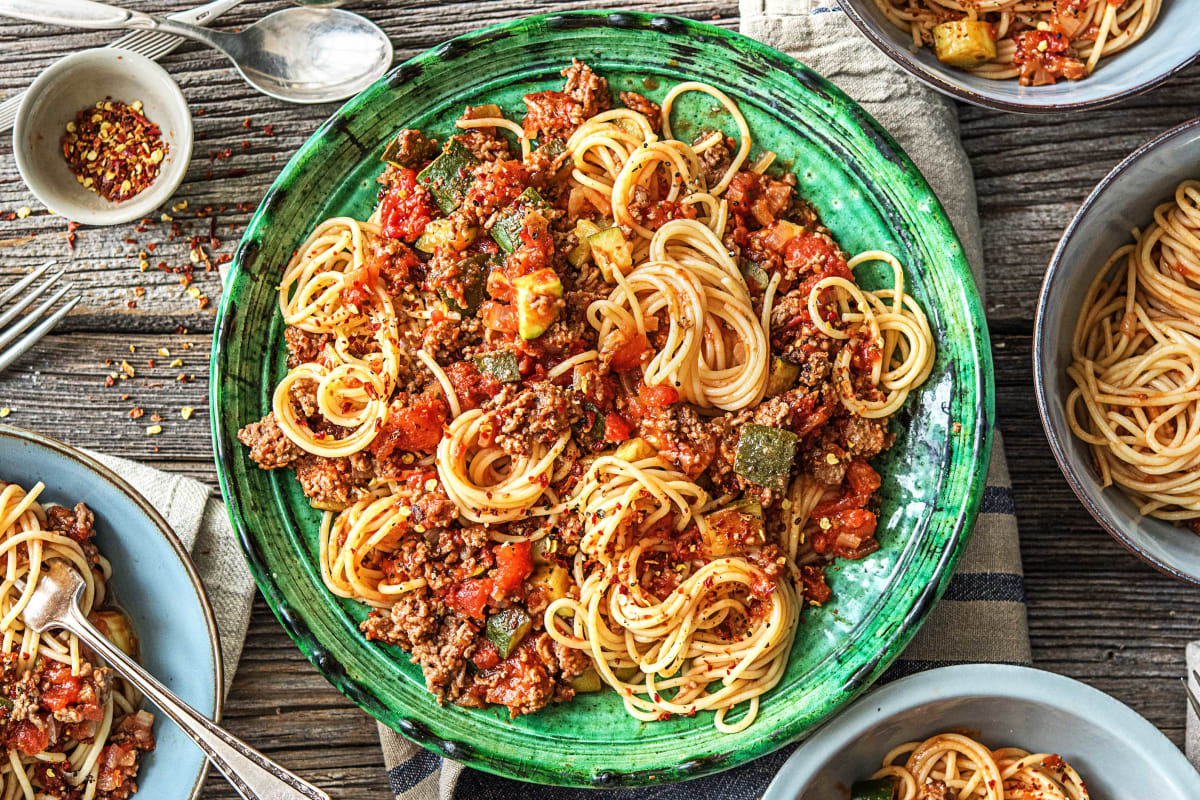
column 782, row 376
column 876, row 789
column 507, row 228
column 534, row 314
column 628, row 674
column 471, row 274
column 611, row 250
column 587, row 681
column 543, row 549
column 117, row 628
column 485, row 110
column 746, row 505
column 506, row 629
column 635, row 450
column 501, row 365
column 964, row 42
column 553, row 579
column 446, row 232
column 589, row 434
column 754, row 274
column 764, row 455
column 552, row 147
column 582, row 251
column 423, row 148
column 449, row 176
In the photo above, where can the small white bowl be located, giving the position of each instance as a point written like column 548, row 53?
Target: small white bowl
column 79, row 81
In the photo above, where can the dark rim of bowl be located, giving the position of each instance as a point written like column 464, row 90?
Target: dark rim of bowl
column 917, row 70
column 214, row 636
column 1039, row 350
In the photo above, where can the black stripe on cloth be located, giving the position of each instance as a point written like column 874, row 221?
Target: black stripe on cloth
column 911, row 666
column 998, row 500
column 403, row 777
column 1004, row 586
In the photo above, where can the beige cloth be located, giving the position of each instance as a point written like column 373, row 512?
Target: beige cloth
column 199, row 519
column 982, row 616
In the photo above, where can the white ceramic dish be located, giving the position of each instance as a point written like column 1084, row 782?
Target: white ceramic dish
column 1169, row 47
column 1118, row 753
column 79, row 81
column 1125, row 199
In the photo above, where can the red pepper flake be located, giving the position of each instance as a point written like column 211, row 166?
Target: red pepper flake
column 199, row 112
column 151, row 246
column 113, row 149
column 269, row 130
column 237, row 172
column 246, row 122
column 71, row 227
column 109, row 380
column 135, row 413
column 245, row 145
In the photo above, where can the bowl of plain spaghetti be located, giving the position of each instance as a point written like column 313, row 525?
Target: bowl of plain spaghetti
column 1028, row 734
column 1117, row 352
column 1021, row 56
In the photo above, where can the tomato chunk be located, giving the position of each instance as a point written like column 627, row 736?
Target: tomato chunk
column 627, row 354
column 470, row 596
column 415, row 426
column 660, row 395
column 486, row 655
column 59, row 687
column 29, row 738
column 616, row 428
column 514, row 563
column 406, row 207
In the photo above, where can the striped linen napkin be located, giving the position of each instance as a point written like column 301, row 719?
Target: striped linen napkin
column 982, row 616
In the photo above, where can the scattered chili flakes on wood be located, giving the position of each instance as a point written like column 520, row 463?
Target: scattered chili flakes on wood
column 113, row 149
column 136, row 413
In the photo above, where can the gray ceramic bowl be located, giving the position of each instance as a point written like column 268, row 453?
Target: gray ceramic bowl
column 77, row 82
column 1171, row 45
column 1118, row 753
column 154, row 581
column 1125, row 199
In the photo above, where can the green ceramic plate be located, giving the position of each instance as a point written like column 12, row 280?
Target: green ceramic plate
column 868, row 193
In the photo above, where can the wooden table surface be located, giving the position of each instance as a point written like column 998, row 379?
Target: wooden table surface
column 1095, row 612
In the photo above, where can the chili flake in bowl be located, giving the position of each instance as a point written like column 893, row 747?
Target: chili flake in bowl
column 113, row 149
column 103, row 137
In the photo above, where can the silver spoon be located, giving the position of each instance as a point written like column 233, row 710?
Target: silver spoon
column 303, row 55
column 55, row 604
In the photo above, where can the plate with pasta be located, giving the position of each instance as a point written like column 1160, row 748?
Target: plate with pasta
column 1039, row 57
column 986, row 732
column 600, row 401
column 72, row 727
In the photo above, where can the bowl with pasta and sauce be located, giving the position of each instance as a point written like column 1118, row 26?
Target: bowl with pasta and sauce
column 1029, row 733
column 1036, row 58
column 82, row 731
column 1116, row 353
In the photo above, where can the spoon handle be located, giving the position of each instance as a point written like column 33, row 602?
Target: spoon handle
column 253, row 775
column 76, row 14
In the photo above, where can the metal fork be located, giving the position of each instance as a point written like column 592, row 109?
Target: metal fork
column 54, row 603
column 13, row 324
column 1193, row 700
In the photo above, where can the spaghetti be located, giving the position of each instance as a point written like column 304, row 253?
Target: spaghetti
column 69, row 725
column 556, row 397
column 1136, row 364
column 959, row 766
column 1036, row 42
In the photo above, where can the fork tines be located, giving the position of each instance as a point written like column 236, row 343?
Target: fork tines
column 1193, row 700
column 15, row 321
